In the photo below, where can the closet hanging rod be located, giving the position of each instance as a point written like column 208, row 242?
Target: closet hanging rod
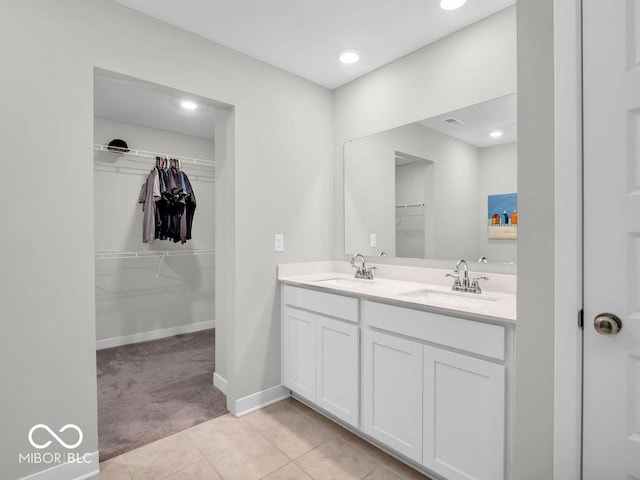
column 152, row 254
column 409, row 205
column 152, row 155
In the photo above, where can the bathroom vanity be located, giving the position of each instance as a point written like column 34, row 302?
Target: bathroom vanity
column 419, row 370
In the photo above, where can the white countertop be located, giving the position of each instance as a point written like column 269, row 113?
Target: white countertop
column 502, row 310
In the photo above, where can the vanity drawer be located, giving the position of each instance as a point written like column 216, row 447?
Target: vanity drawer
column 468, row 335
column 329, row 304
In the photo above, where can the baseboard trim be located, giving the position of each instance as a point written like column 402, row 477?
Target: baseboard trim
column 258, row 400
column 220, row 383
column 154, row 334
column 69, row 471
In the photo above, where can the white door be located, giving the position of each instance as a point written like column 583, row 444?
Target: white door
column 338, row 368
column 392, row 392
column 611, row 426
column 464, row 416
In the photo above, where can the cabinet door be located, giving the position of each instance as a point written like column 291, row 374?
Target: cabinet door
column 464, row 416
column 392, row 392
column 338, row 362
column 299, row 352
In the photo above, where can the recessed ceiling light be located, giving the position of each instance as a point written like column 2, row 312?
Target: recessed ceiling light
column 188, row 105
column 451, row 4
column 496, row 134
column 349, row 56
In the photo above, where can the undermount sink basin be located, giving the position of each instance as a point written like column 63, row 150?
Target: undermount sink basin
column 345, row 282
column 453, row 298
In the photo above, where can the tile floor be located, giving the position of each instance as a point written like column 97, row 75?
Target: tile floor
column 285, row 441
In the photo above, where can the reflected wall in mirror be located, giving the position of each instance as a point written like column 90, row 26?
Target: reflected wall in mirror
column 420, row 190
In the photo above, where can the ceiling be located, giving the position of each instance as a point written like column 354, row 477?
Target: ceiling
column 304, row 37
column 320, row 29
column 479, row 120
column 141, row 104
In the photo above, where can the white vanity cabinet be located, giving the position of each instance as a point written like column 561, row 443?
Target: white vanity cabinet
column 434, row 389
column 320, row 350
column 299, row 352
column 392, row 392
column 463, row 416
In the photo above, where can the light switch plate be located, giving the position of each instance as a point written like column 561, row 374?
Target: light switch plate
column 373, row 240
column 278, row 242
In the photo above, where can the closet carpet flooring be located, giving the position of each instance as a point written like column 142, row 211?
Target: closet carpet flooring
column 150, row 390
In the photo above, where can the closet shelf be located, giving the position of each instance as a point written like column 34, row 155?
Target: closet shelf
column 152, row 254
column 410, row 205
column 142, row 155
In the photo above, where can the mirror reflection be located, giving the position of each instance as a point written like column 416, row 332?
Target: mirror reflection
column 425, row 190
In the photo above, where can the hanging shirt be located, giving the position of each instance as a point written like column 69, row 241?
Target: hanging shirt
column 169, row 203
column 149, row 195
column 190, row 208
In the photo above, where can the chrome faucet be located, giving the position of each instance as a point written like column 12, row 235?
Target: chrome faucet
column 463, row 284
column 362, row 271
column 465, row 279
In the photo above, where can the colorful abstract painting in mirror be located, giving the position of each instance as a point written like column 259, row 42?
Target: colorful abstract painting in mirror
column 502, row 218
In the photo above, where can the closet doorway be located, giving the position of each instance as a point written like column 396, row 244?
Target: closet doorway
column 414, row 206
column 154, row 194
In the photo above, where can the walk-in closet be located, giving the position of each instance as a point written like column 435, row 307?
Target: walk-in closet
column 154, row 184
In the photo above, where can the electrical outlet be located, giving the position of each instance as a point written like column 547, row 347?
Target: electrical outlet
column 373, row 240
column 278, row 242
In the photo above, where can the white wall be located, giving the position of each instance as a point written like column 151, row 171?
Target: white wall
column 369, row 195
column 130, row 299
column 473, row 65
column 568, row 239
column 497, row 173
column 276, row 178
column 535, row 354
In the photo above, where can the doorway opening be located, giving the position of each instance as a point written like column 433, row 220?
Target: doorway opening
column 154, row 225
column 414, row 206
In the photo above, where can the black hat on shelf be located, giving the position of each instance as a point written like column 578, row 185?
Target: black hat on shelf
column 118, row 146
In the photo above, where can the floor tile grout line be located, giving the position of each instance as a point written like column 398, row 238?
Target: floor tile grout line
column 347, row 431
column 294, row 459
column 274, row 446
column 126, row 467
column 292, row 419
column 304, row 469
column 255, row 432
column 180, row 469
column 204, row 456
column 276, row 470
column 378, row 464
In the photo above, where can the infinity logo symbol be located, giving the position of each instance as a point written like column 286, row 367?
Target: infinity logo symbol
column 52, row 433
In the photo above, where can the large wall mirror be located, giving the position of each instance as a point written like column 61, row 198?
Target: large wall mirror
column 426, row 190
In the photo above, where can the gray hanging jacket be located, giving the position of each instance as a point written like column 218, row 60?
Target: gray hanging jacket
column 149, row 195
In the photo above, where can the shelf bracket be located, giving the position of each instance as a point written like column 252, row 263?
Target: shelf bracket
column 164, row 254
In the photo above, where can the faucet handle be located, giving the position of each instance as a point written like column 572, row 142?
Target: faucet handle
column 475, row 286
column 456, row 283
column 368, row 272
